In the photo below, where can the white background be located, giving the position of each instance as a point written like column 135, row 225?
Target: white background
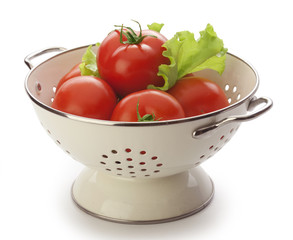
column 252, row 174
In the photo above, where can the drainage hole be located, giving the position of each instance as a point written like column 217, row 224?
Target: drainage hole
column 38, row 87
column 128, row 150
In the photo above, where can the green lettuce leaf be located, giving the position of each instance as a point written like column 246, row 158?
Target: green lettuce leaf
column 155, row 26
column 188, row 55
column 169, row 72
column 88, row 66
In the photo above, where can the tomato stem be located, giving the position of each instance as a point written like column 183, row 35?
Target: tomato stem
column 132, row 37
column 146, row 118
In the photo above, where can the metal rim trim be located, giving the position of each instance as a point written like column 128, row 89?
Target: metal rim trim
column 137, row 124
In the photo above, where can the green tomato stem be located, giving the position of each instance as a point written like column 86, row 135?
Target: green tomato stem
column 146, row 117
column 132, row 37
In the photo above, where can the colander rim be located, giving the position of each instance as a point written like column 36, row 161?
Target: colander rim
column 136, row 124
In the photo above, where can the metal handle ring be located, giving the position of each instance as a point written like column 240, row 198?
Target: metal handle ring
column 252, row 114
column 28, row 59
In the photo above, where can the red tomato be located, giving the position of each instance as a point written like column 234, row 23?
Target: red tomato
column 74, row 72
column 198, row 96
column 131, row 67
column 86, row 96
column 153, row 33
column 160, row 104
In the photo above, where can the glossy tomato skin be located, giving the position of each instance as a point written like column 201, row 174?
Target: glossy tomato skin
column 86, row 96
column 74, row 72
column 130, row 67
column 154, row 33
column 198, row 95
column 161, row 104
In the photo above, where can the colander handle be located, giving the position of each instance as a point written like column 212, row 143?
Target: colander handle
column 256, row 107
column 28, row 59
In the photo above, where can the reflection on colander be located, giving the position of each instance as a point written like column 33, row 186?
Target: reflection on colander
column 143, row 172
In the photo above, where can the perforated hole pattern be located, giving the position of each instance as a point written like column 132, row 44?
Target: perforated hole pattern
column 140, row 163
column 131, row 163
column 232, row 93
column 147, row 165
column 218, row 145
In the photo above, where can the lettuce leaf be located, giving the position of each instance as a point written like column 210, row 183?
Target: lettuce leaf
column 88, row 66
column 188, row 55
column 169, row 72
column 155, row 26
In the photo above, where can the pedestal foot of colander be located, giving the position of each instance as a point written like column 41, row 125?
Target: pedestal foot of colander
column 139, row 201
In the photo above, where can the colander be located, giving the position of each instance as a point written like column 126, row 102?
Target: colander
column 142, row 172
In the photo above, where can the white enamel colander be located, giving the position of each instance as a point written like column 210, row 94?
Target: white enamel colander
column 145, row 172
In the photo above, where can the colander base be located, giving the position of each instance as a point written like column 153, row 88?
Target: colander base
column 140, row 201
